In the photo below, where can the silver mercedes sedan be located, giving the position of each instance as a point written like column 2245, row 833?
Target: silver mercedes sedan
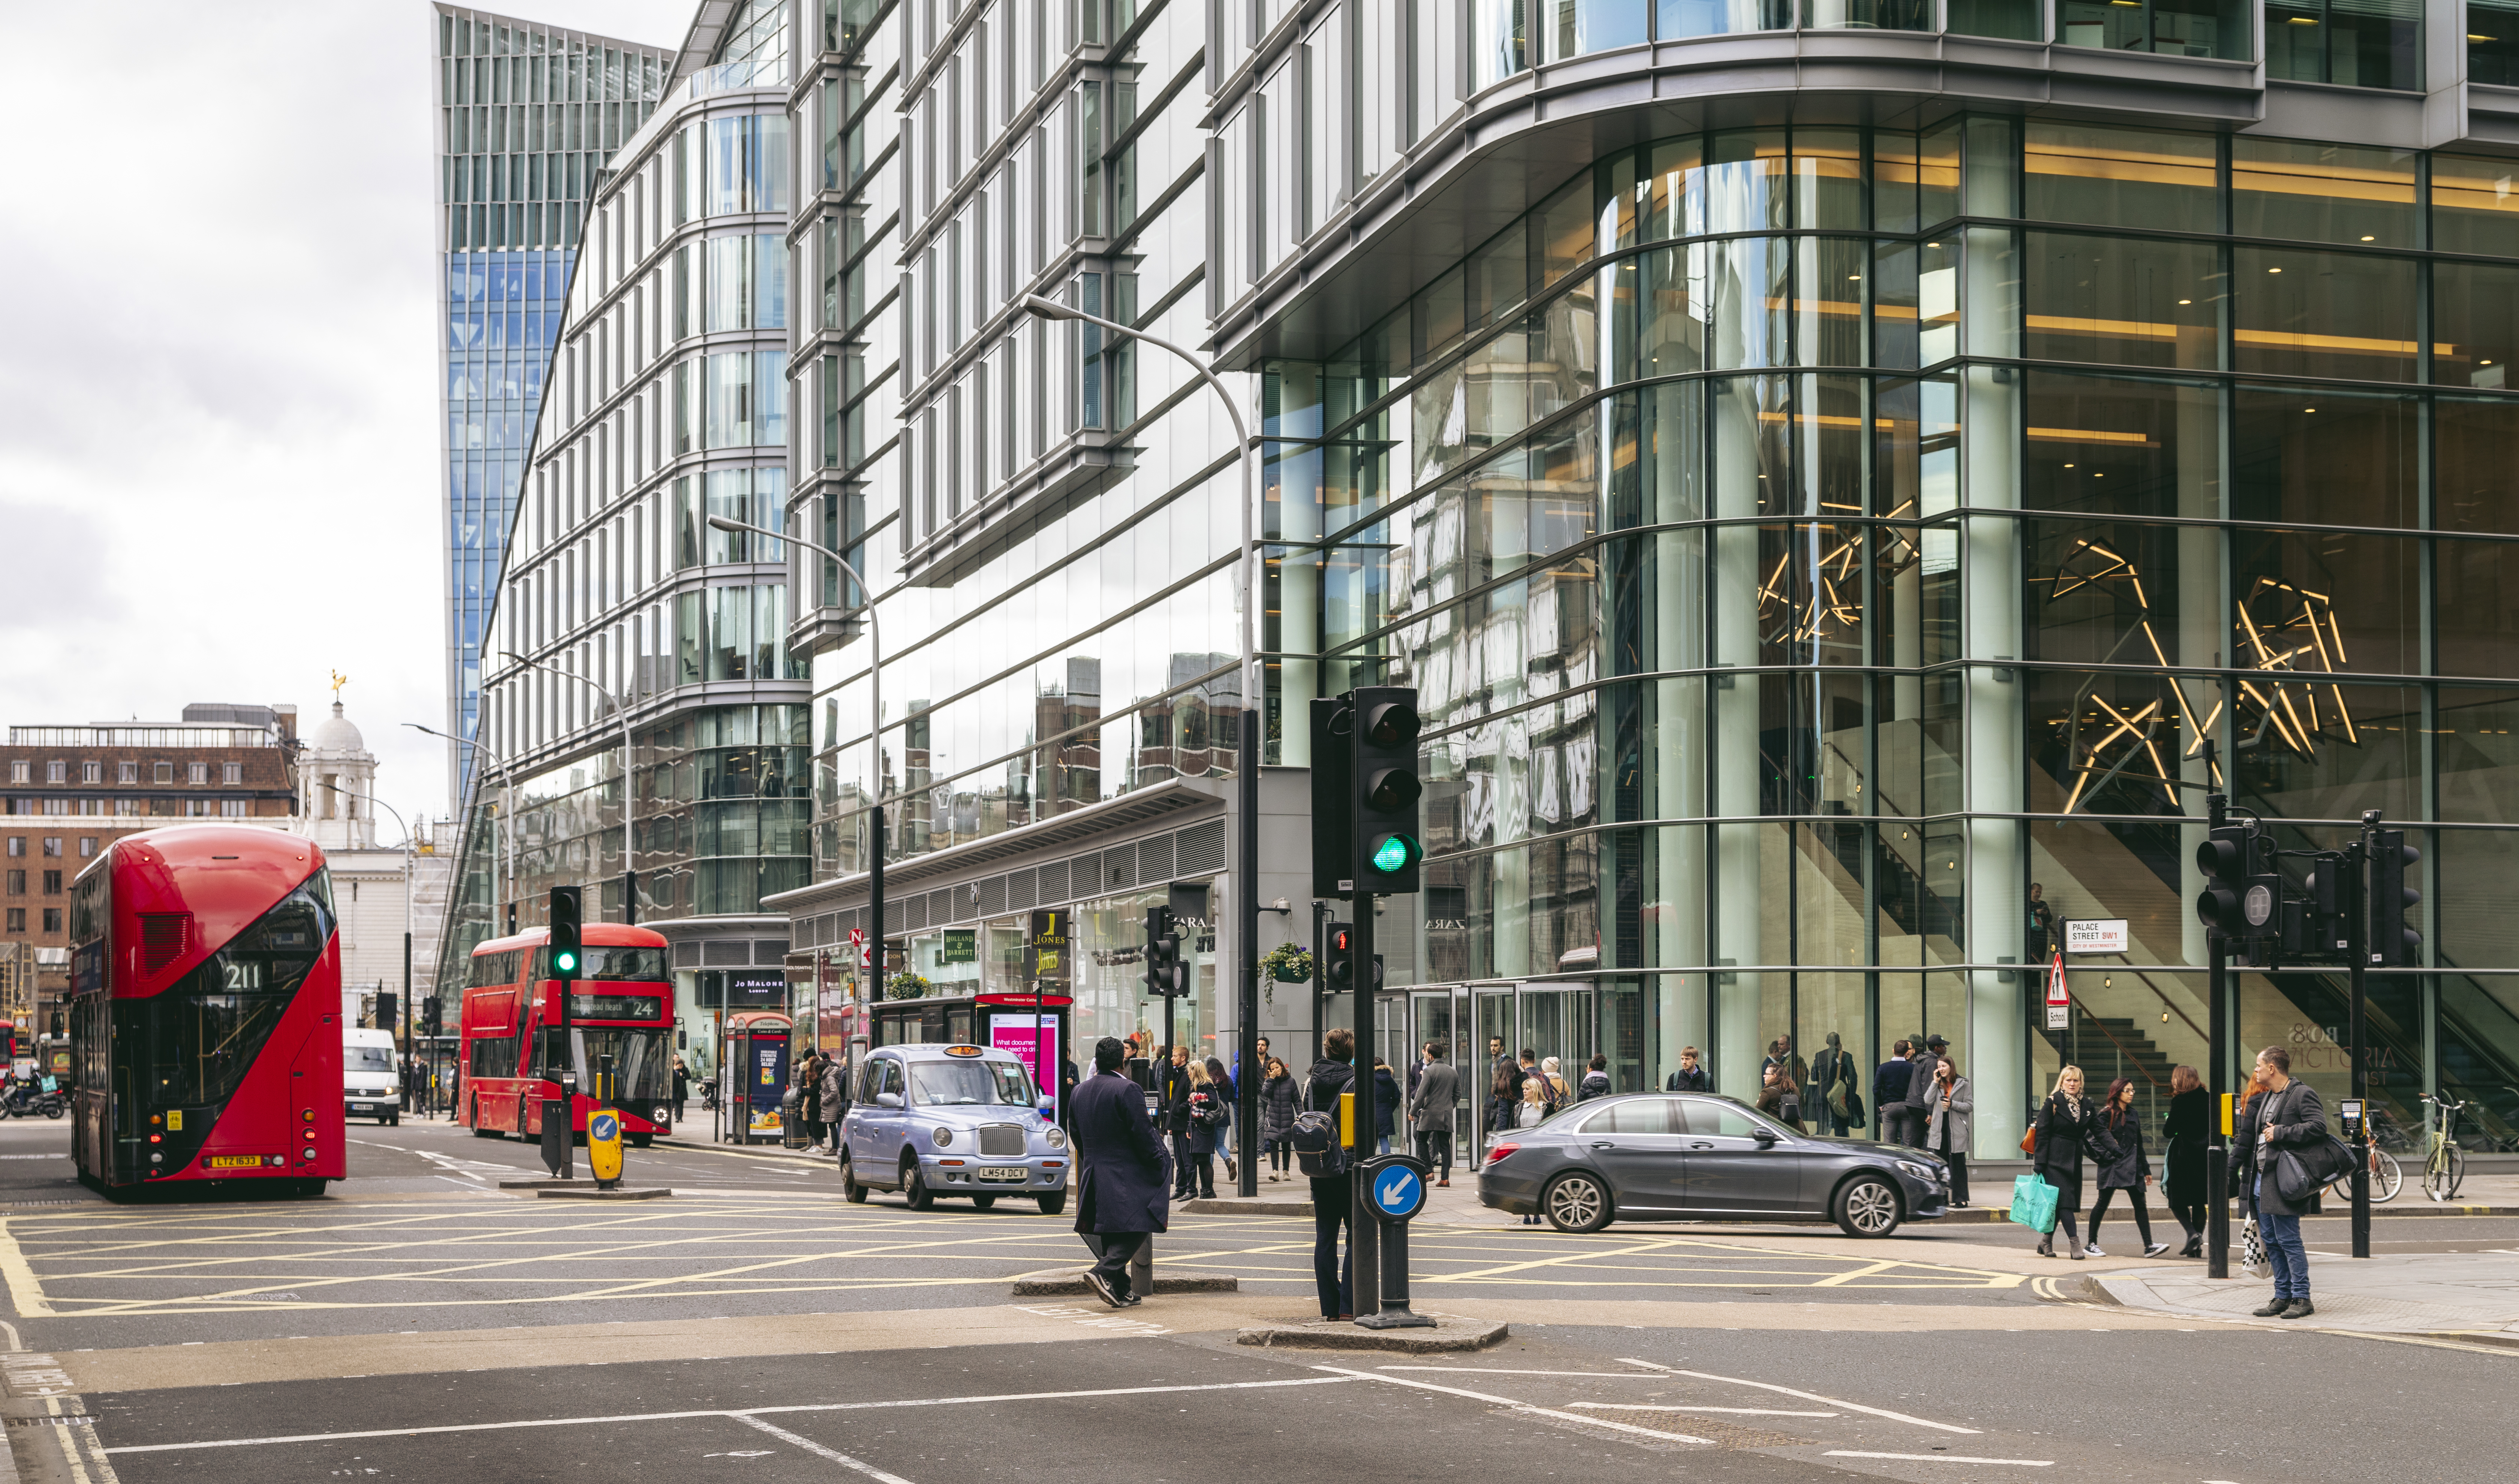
column 1654, row 1157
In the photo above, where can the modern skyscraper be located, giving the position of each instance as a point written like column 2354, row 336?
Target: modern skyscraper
column 526, row 117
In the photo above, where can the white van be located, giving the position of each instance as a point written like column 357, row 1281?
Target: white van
column 370, row 1088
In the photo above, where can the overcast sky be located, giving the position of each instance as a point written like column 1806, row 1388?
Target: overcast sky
column 219, row 471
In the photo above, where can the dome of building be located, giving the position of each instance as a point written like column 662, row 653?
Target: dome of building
column 336, row 734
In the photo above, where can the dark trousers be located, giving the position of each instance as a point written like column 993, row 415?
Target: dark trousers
column 1184, row 1179
column 1119, row 1249
column 1957, row 1160
column 1203, row 1167
column 2189, row 1215
column 2134, row 1198
column 1333, row 1201
column 1434, row 1146
column 1281, row 1153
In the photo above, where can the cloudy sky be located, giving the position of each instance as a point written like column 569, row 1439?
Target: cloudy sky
column 218, row 385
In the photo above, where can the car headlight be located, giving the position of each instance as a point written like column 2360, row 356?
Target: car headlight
column 941, row 1136
column 1920, row 1171
column 1057, row 1138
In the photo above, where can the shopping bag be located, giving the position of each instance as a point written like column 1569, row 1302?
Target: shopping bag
column 2253, row 1260
column 2033, row 1203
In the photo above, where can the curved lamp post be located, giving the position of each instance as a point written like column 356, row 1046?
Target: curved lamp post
column 628, row 786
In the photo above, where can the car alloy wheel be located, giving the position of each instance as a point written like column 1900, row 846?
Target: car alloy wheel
column 1867, row 1208
column 1575, row 1203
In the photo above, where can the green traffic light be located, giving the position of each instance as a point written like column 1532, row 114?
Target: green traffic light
column 566, row 961
column 1393, row 854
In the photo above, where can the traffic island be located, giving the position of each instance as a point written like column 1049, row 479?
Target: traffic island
column 1064, row 1282
column 1235, row 1206
column 586, row 1192
column 1451, row 1335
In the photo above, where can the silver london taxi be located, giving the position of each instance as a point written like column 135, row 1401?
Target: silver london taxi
column 950, row 1121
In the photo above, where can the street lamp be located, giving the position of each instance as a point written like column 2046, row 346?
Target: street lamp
column 1245, row 864
column 629, row 836
column 507, row 825
column 874, row 685
column 408, row 840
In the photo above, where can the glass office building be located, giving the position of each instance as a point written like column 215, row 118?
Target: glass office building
column 526, row 115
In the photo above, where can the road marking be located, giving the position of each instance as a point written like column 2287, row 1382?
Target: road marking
column 26, row 1294
column 1587, row 1375
column 1807, row 1396
column 818, row 1450
column 1726, row 1410
column 740, row 1416
column 1522, row 1407
column 1938, row 1458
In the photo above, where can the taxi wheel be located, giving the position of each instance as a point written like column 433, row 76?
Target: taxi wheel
column 1052, row 1204
column 913, row 1185
column 984, row 1202
column 849, row 1186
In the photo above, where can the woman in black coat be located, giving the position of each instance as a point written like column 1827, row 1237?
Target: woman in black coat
column 1277, row 1097
column 2066, row 1128
column 2128, row 1169
column 2184, row 1129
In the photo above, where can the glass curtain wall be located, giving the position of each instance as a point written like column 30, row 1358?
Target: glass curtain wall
column 1815, row 599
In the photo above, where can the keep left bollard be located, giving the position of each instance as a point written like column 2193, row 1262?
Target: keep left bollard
column 1394, row 1187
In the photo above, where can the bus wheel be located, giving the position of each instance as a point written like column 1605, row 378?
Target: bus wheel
column 311, row 1188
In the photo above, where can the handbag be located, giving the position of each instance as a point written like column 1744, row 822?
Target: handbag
column 2033, row 1203
column 1853, row 1108
column 2029, row 1140
column 2253, row 1251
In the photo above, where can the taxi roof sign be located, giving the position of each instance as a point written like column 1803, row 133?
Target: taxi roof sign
column 962, row 1051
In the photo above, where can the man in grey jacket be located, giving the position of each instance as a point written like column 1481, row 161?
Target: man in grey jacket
column 2286, row 1116
column 1430, row 1111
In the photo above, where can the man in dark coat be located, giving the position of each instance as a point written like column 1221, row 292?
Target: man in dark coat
column 2287, row 1114
column 1689, row 1076
column 1121, row 1179
column 1891, row 1083
column 1920, row 1087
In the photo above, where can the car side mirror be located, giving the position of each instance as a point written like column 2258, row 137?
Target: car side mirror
column 887, row 1100
column 1764, row 1135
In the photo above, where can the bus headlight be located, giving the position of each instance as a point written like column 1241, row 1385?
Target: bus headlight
column 659, row 1115
column 941, row 1136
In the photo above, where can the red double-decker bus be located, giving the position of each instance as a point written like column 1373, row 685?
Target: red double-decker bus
column 204, row 1012
column 623, row 1008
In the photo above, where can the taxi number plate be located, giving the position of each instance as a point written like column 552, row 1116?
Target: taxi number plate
column 235, row 1161
column 1014, row 1172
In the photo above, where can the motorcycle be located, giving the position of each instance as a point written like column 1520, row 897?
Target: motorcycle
column 26, row 1101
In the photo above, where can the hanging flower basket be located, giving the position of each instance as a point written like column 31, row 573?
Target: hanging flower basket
column 906, row 986
column 1289, row 963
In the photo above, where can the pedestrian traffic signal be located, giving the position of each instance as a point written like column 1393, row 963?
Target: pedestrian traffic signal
column 567, row 951
column 2237, row 900
column 1386, row 842
column 1333, row 798
column 1338, row 962
column 1165, row 975
column 2391, row 943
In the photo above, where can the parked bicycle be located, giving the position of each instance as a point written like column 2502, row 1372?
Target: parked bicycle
column 2445, row 1166
column 2387, row 1177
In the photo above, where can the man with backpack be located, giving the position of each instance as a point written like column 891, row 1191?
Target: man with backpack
column 1325, row 1161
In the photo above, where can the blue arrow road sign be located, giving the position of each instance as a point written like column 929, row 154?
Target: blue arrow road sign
column 603, row 1125
column 1398, row 1192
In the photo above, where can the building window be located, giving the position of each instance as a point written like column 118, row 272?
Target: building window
column 233, row 808
column 51, row 919
column 16, row 845
column 2170, row 27
column 57, row 771
column 165, row 772
column 196, row 772
column 17, row 883
column 21, row 772
column 16, row 919
column 52, row 846
column 91, row 772
column 87, row 846
column 2342, row 41
column 52, row 883
column 57, row 806
column 127, row 772
column 230, row 772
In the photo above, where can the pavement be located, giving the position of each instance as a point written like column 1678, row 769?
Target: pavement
column 419, row 1321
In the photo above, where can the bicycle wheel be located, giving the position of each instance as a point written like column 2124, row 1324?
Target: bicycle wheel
column 2440, row 1176
column 2388, row 1179
column 2456, row 1171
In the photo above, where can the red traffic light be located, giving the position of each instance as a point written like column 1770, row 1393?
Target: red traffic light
column 1390, row 724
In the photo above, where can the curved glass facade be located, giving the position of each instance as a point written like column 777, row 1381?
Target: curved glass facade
column 1825, row 556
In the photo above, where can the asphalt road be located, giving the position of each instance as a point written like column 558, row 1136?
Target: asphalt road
column 417, row 1324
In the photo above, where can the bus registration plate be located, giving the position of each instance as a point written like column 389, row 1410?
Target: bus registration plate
column 1015, row 1173
column 236, row 1162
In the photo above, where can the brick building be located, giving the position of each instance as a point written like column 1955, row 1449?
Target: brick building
column 67, row 792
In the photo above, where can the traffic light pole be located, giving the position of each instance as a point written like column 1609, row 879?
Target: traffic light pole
column 2217, row 1056
column 2357, row 927
column 1364, row 1233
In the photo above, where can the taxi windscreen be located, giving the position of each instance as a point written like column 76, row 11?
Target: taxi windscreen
column 947, row 1084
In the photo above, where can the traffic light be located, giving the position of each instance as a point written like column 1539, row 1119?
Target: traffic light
column 2391, row 943
column 1387, row 845
column 388, row 1009
column 2315, row 926
column 2237, row 900
column 1165, row 974
column 567, row 951
column 1337, row 967
column 432, row 1020
column 1333, row 796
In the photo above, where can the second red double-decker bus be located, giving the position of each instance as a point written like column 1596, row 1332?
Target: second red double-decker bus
column 204, row 1012
column 623, row 1008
